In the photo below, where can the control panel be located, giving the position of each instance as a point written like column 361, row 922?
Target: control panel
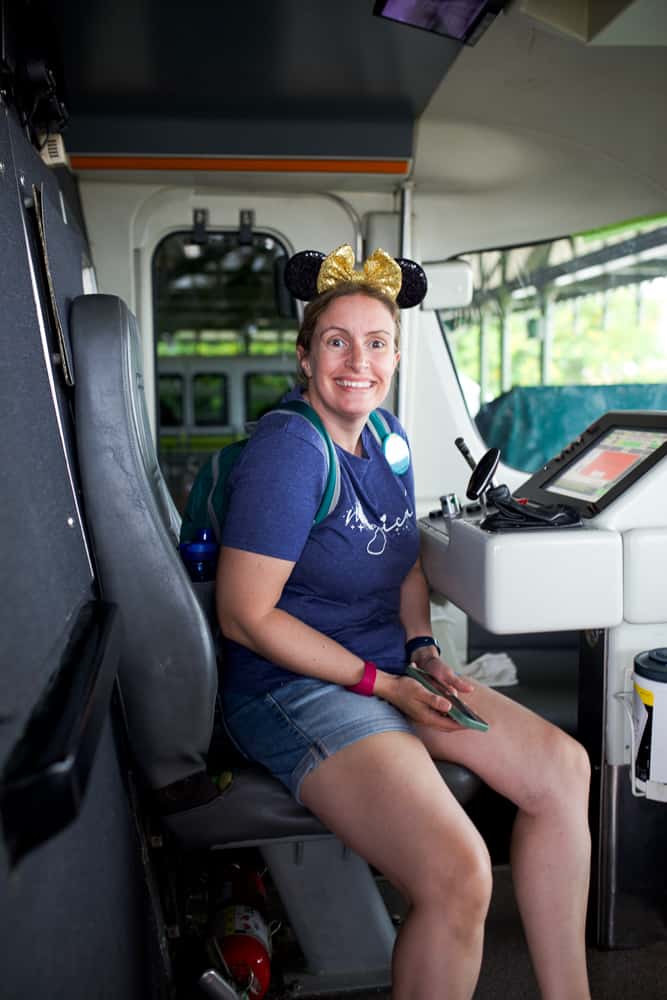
column 551, row 556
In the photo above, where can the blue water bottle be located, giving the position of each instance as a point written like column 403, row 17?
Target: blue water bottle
column 200, row 556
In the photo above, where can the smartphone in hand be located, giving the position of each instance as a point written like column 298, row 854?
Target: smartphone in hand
column 459, row 711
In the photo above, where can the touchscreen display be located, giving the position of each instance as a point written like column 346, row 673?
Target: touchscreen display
column 601, row 467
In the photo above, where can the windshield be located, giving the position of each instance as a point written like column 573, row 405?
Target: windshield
column 560, row 332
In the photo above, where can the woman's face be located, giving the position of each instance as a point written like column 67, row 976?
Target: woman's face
column 352, row 356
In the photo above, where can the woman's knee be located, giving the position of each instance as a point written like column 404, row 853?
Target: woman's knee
column 576, row 767
column 455, row 881
column 564, row 774
column 572, row 763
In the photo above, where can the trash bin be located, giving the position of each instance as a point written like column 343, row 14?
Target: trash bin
column 649, row 718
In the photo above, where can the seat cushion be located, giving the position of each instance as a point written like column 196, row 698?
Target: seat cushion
column 256, row 807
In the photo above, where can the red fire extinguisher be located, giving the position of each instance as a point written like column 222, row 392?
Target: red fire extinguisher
column 241, row 941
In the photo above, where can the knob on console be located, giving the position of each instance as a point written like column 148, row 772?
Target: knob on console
column 450, row 504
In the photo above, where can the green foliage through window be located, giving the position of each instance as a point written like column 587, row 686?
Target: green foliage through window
column 170, row 390
column 264, row 390
column 584, row 310
column 222, row 314
column 209, row 397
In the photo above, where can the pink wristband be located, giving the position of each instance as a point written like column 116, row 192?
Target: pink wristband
column 367, row 683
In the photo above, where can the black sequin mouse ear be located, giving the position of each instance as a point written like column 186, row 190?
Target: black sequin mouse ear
column 414, row 285
column 303, row 270
column 301, row 273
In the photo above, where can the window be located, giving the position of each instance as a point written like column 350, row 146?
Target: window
column 264, row 390
column 560, row 332
column 221, row 298
column 220, row 311
column 209, row 400
column 170, row 391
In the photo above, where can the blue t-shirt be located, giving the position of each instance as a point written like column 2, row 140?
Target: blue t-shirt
column 348, row 569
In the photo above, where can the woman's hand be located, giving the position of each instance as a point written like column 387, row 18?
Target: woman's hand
column 435, row 665
column 417, row 702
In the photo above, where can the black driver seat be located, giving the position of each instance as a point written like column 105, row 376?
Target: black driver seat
column 168, row 672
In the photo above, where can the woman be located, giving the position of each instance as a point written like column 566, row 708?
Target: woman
column 319, row 621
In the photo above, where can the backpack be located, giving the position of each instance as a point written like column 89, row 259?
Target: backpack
column 208, row 499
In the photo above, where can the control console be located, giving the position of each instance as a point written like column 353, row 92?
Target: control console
column 551, row 556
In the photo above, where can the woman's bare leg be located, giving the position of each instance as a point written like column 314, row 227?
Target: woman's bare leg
column 386, row 800
column 546, row 774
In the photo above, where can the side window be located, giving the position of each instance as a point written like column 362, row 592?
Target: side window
column 221, row 314
column 264, row 390
column 209, row 400
column 170, row 394
column 559, row 333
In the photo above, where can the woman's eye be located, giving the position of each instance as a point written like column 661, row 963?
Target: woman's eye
column 336, row 342
column 378, row 345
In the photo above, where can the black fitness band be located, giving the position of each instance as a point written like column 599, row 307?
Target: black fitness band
column 418, row 643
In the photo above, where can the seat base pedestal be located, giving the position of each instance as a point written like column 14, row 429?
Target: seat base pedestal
column 337, row 914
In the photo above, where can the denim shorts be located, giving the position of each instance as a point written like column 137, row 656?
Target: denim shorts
column 291, row 729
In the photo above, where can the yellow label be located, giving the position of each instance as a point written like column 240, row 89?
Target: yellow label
column 646, row 696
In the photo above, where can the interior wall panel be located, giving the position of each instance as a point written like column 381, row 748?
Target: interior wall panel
column 45, row 573
column 76, row 920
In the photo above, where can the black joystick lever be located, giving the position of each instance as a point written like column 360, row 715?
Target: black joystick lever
column 482, row 471
column 465, row 451
column 509, row 515
column 481, row 480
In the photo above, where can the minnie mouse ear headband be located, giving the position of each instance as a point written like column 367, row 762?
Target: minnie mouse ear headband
column 310, row 272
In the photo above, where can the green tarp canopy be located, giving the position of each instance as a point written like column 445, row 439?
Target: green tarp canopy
column 531, row 424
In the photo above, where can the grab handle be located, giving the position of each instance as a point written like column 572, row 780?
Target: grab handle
column 44, row 780
column 625, row 699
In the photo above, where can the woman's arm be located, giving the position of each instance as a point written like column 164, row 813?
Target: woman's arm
column 415, row 610
column 248, row 589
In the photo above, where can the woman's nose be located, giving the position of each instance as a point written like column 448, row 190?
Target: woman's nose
column 357, row 356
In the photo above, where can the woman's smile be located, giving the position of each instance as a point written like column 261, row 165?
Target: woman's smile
column 346, row 383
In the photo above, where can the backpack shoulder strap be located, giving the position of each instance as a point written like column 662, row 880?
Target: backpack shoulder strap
column 393, row 446
column 216, row 502
column 378, row 426
column 331, row 494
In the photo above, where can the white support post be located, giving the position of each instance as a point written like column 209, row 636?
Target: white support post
column 407, row 319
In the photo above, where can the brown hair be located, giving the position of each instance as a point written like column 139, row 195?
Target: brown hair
column 316, row 307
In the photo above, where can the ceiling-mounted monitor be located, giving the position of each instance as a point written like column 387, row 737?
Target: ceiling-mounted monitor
column 463, row 20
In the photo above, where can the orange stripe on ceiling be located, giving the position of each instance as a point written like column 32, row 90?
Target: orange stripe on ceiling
column 240, row 164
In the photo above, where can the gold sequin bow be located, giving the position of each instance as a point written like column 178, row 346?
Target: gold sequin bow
column 379, row 270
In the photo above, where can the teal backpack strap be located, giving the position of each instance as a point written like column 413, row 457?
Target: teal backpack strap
column 212, row 516
column 378, row 426
column 332, row 489
column 394, row 447
column 216, row 502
